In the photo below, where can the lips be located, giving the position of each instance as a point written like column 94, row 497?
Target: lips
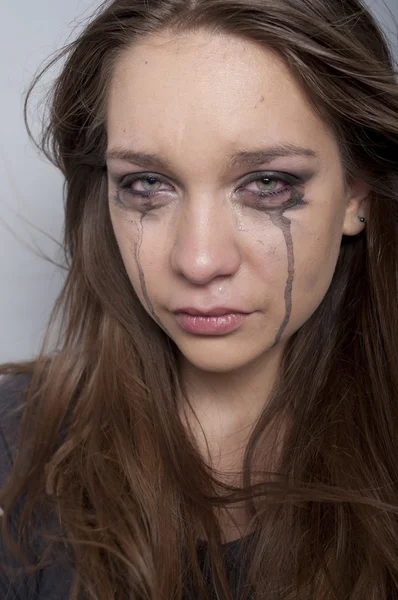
column 210, row 324
column 211, row 312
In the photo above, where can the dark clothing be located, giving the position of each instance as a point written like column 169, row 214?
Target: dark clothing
column 53, row 582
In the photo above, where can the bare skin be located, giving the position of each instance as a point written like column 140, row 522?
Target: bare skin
column 259, row 235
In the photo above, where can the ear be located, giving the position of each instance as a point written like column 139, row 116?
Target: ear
column 357, row 205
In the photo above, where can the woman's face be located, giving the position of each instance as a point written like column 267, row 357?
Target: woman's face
column 225, row 191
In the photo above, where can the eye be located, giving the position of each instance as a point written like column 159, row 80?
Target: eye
column 260, row 190
column 150, row 184
column 144, row 186
column 270, row 190
column 267, row 184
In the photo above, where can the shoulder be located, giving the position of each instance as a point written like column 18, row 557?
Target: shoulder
column 12, row 400
column 54, row 581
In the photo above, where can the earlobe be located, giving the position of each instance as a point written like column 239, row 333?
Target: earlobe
column 354, row 224
column 356, row 215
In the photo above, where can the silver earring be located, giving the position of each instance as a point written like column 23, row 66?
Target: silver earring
column 362, row 219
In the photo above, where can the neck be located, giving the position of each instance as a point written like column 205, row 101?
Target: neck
column 227, row 403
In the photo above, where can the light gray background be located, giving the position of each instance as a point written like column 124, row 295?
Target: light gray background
column 31, row 210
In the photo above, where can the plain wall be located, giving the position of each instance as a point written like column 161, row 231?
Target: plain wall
column 31, row 205
column 31, row 190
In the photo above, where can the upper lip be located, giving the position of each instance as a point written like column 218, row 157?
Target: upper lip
column 210, row 312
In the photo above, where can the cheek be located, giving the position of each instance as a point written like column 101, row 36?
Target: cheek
column 139, row 252
column 316, row 271
column 316, row 259
column 127, row 233
column 295, row 262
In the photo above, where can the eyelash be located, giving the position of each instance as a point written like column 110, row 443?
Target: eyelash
column 124, row 185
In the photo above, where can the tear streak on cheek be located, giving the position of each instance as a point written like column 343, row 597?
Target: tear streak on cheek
column 284, row 225
column 140, row 270
column 277, row 219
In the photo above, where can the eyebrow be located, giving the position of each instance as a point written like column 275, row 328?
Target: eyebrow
column 247, row 159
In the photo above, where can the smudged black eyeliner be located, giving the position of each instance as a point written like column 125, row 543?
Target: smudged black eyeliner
column 284, row 224
column 142, row 278
column 278, row 219
column 141, row 271
column 256, row 198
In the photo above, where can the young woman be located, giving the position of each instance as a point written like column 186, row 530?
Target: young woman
column 219, row 417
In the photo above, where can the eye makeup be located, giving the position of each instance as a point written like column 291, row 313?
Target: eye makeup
column 274, row 203
column 146, row 200
column 284, row 224
column 141, row 274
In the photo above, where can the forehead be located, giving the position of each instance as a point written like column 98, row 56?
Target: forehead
column 199, row 90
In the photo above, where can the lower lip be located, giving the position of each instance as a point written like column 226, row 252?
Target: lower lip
column 210, row 325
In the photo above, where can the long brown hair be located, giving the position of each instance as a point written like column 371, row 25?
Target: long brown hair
column 108, row 453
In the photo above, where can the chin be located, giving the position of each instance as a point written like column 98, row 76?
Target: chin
column 221, row 358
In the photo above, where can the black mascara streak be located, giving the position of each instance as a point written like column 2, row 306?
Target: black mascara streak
column 283, row 223
column 142, row 279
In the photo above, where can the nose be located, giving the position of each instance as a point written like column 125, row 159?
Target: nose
column 206, row 244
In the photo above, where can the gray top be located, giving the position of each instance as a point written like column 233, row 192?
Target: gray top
column 53, row 582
